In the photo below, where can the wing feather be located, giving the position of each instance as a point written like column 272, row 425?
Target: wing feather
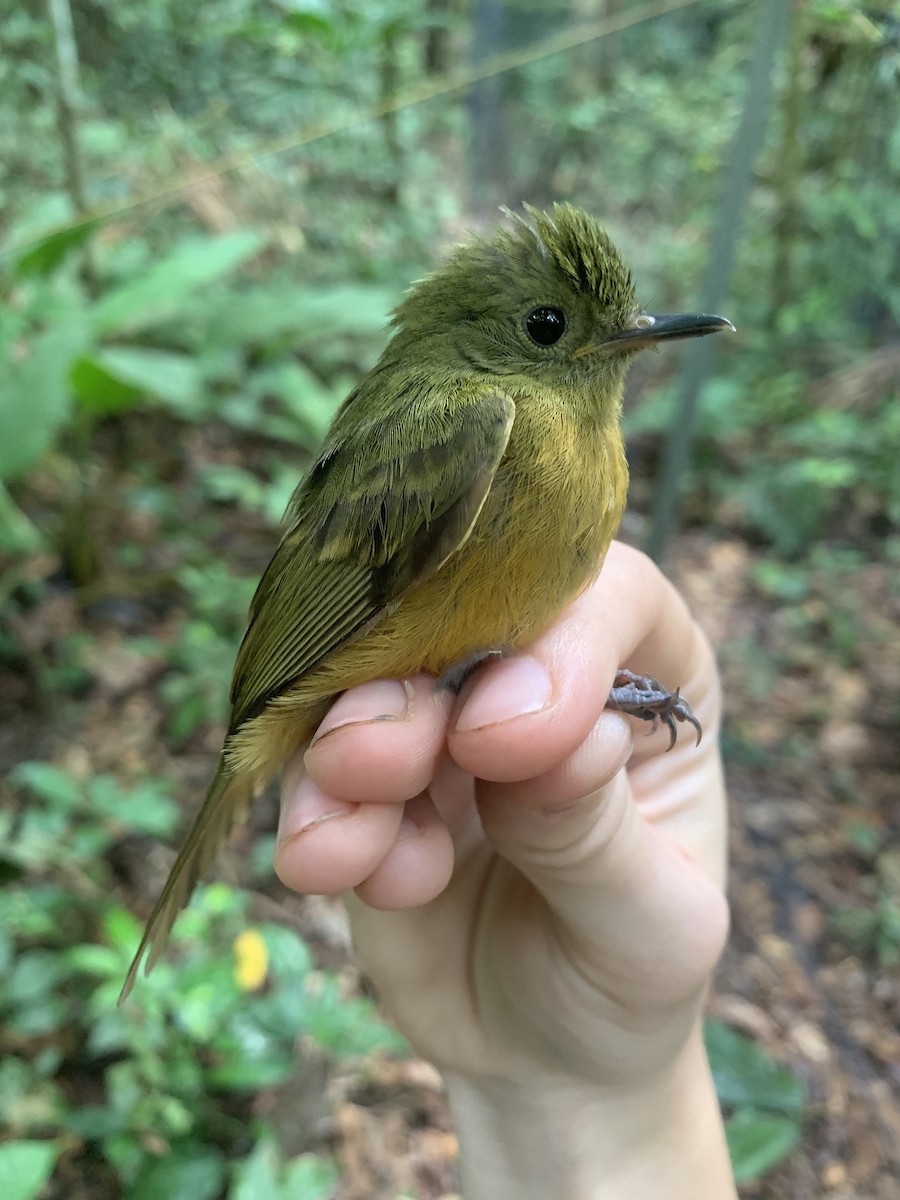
column 387, row 501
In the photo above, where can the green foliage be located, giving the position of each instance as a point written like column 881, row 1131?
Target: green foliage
column 68, row 821
column 201, row 656
column 765, row 1102
column 758, row 1141
column 169, row 1066
column 163, row 290
column 872, row 931
column 64, row 361
column 172, row 364
column 28, row 428
column 263, row 1176
column 25, row 1167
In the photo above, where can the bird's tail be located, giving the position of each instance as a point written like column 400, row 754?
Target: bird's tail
column 226, row 804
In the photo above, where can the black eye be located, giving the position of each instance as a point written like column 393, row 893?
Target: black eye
column 545, row 325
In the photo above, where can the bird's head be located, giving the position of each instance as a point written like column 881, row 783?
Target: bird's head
column 549, row 298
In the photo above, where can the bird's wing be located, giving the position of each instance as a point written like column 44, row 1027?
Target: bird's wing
column 391, row 496
column 388, row 500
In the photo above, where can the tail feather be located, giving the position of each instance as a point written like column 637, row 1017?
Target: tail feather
column 226, row 805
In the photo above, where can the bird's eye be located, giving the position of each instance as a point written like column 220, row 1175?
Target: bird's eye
column 545, row 325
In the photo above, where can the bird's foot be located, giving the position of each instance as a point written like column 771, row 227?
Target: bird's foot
column 454, row 677
column 645, row 697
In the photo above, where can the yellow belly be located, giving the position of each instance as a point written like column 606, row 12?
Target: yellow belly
column 539, row 540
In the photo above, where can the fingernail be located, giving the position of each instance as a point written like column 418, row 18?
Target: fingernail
column 516, row 687
column 307, row 807
column 380, row 700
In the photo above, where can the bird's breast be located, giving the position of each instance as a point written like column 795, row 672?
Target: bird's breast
column 547, row 522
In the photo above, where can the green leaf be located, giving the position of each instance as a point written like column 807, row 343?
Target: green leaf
column 163, row 290
column 309, row 1178
column 44, row 255
column 256, row 1178
column 262, row 1177
column 253, row 1061
column 146, row 810
column 35, row 399
column 260, row 315
column 122, row 929
column 25, row 1168
column 99, row 391
column 310, row 24
column 17, row 533
column 94, row 960
column 289, row 954
column 33, row 979
column 757, row 1141
column 93, row 1122
column 781, row 580
column 188, row 1172
column 745, row 1076
column 113, row 379
column 53, row 784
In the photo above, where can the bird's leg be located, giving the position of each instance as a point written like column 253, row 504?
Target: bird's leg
column 645, row 697
column 454, row 677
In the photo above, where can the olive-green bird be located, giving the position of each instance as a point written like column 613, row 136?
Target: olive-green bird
column 467, row 490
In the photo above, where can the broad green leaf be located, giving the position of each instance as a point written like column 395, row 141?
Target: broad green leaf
column 252, row 1072
column 162, row 291
column 34, row 978
column 94, row 1121
column 17, row 534
column 44, row 255
column 188, row 1172
column 757, row 1141
column 746, row 1076
column 260, row 315
column 35, row 398
column 122, row 929
column 262, row 1177
column 54, row 784
column 289, row 954
column 256, row 1178
column 310, row 17
column 48, row 215
column 173, row 378
column 97, row 389
column 144, row 811
column 94, row 960
column 24, row 1168
column 308, row 1178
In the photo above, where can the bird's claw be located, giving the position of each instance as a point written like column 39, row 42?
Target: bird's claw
column 644, row 697
column 456, row 675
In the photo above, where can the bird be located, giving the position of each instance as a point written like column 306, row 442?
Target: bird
column 467, row 490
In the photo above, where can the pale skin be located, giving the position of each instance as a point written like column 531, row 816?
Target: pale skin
column 536, row 888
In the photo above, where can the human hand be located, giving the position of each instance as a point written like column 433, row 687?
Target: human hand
column 538, row 885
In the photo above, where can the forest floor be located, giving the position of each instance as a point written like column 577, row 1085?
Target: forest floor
column 813, row 765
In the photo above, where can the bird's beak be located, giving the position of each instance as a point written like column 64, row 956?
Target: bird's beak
column 648, row 330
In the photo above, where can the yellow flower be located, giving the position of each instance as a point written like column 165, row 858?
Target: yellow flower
column 251, row 960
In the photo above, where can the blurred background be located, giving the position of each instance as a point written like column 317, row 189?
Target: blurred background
column 206, row 213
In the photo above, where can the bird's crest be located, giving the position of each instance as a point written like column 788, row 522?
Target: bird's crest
column 576, row 245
